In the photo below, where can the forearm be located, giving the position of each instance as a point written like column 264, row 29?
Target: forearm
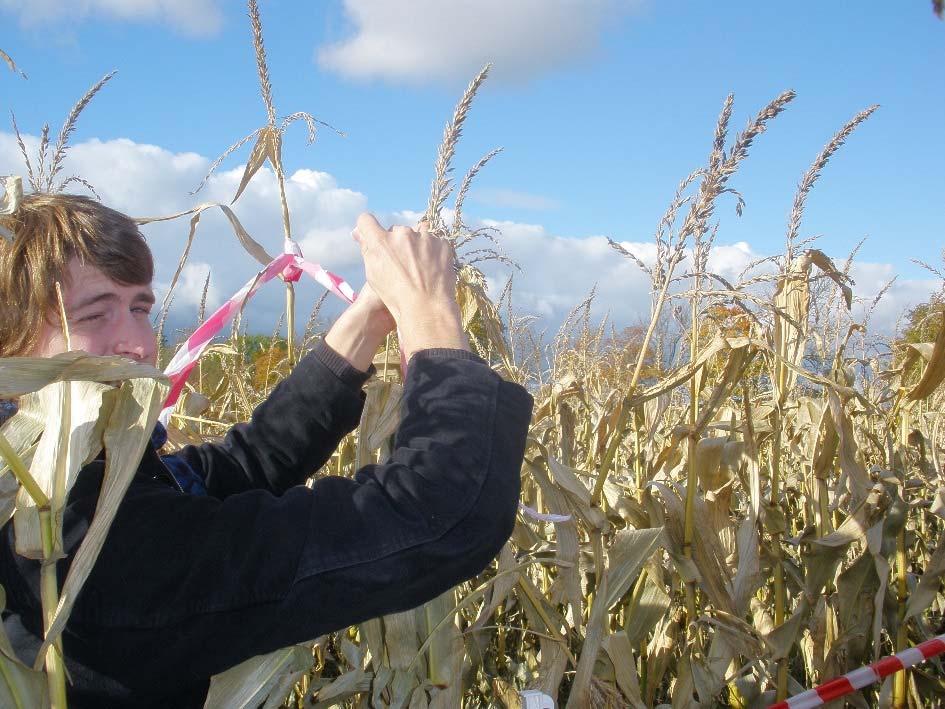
column 356, row 337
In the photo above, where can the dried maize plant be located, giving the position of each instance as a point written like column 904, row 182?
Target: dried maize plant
column 71, row 408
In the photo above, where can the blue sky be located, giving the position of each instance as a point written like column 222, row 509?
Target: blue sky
column 602, row 107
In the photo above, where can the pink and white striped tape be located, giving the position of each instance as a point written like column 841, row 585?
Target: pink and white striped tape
column 864, row 676
column 290, row 265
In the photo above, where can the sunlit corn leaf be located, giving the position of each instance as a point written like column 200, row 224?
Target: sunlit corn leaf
column 708, row 463
column 20, row 686
column 855, row 526
column 934, row 371
column 401, row 638
column 683, row 374
column 479, row 312
column 344, row 687
column 379, row 418
column 130, row 424
column 628, row 552
column 739, row 357
column 71, row 437
column 22, row 375
column 268, row 146
column 738, row 632
column 444, row 643
column 250, row 683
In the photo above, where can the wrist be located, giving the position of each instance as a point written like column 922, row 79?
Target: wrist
column 436, row 328
column 356, row 336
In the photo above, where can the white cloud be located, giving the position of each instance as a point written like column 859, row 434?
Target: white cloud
column 452, row 39
column 512, row 199
column 189, row 290
column 194, row 17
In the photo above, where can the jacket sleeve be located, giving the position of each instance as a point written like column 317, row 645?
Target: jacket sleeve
column 198, row 584
column 291, row 434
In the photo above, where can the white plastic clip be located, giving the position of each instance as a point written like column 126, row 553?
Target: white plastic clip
column 533, row 699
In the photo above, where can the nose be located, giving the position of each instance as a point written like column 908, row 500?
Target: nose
column 131, row 348
column 133, row 339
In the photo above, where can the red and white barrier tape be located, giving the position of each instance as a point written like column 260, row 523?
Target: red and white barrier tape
column 290, row 265
column 864, row 676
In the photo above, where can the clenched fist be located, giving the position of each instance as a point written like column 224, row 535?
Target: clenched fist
column 412, row 273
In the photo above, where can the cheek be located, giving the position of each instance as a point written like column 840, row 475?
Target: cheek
column 95, row 343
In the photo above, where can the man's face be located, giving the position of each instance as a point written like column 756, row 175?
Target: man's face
column 105, row 318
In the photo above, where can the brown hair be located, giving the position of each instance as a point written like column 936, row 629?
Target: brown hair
column 49, row 230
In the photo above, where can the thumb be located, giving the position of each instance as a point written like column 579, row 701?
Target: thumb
column 367, row 230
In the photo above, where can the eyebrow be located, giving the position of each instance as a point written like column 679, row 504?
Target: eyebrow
column 140, row 297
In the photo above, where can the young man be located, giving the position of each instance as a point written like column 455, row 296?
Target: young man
column 248, row 559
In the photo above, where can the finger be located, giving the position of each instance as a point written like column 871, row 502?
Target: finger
column 368, row 229
column 401, row 230
column 424, row 227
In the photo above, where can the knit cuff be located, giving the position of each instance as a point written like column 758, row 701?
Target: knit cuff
column 341, row 367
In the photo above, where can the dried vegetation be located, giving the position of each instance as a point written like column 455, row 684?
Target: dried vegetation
column 724, row 526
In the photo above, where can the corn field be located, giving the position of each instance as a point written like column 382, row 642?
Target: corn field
column 733, row 502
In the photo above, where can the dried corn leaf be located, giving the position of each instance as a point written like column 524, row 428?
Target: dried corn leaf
column 499, row 590
column 934, row 371
column 567, row 546
column 258, row 679
column 441, row 639
column 554, row 655
column 343, row 687
column 10, row 63
column 822, row 261
column 379, row 418
column 643, row 617
column 268, row 146
column 72, row 436
column 401, row 638
column 855, row 526
column 683, row 374
column 930, row 582
column 628, row 552
column 620, row 651
column 849, row 455
column 707, row 554
column 593, row 638
column 20, row 686
column 23, row 375
column 253, row 247
column 130, row 424
column 708, row 460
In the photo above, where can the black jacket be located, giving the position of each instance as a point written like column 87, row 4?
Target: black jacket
column 187, row 586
